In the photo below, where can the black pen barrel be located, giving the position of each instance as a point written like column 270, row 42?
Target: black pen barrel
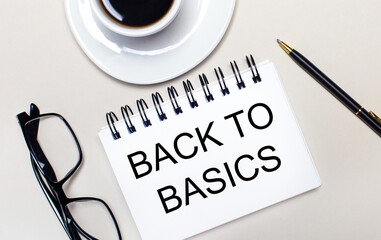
column 325, row 81
column 365, row 116
column 336, row 91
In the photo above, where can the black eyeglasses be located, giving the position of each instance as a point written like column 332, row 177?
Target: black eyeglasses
column 55, row 156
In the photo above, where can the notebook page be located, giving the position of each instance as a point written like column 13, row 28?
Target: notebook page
column 213, row 163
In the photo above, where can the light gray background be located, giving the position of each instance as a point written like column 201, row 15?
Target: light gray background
column 41, row 62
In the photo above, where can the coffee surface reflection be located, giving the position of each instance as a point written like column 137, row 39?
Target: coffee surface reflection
column 136, row 13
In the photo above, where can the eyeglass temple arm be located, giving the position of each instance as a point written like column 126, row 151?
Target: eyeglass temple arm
column 30, row 135
column 52, row 201
column 34, row 112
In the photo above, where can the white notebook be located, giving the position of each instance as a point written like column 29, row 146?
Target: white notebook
column 213, row 163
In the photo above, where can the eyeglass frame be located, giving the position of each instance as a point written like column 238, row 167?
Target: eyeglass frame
column 53, row 190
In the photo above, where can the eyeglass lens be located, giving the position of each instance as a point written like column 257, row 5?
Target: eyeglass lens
column 57, row 144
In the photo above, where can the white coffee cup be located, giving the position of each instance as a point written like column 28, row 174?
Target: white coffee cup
column 114, row 26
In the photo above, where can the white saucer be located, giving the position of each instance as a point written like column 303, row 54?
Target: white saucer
column 188, row 40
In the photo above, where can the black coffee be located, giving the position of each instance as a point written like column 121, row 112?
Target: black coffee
column 136, row 13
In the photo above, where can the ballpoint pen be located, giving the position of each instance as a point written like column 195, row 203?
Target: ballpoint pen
column 370, row 118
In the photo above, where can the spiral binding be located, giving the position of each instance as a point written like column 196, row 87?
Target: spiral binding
column 173, row 94
column 142, row 112
column 188, row 87
column 204, row 83
column 253, row 67
column 111, row 118
column 156, row 103
column 240, row 82
column 223, row 87
column 131, row 128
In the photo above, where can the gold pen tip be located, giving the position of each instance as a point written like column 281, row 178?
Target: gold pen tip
column 284, row 46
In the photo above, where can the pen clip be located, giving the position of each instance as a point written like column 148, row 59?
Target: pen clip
column 375, row 116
